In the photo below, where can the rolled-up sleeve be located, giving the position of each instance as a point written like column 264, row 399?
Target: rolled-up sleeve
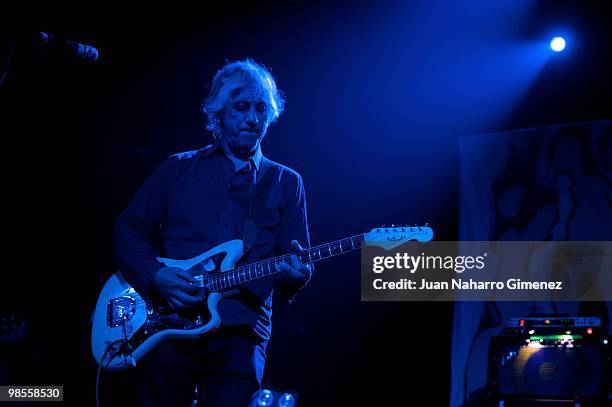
column 137, row 228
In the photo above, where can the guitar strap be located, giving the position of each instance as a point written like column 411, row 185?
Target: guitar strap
column 262, row 188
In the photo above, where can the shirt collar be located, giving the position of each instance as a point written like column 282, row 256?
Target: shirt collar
column 238, row 164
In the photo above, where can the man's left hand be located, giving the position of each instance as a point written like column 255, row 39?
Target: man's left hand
column 297, row 272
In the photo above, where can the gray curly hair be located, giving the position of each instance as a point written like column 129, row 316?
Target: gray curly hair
column 233, row 76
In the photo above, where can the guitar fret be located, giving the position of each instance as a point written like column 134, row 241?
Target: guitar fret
column 268, row 267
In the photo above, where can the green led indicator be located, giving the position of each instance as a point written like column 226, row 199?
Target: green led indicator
column 555, row 337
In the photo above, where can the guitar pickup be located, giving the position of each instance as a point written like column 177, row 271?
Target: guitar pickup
column 119, row 310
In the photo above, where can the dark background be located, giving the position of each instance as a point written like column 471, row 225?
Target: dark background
column 376, row 97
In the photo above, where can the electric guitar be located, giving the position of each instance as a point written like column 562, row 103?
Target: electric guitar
column 127, row 325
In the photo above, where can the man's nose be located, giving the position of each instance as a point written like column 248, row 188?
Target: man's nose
column 252, row 120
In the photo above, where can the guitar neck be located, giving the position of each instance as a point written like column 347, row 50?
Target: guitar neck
column 265, row 268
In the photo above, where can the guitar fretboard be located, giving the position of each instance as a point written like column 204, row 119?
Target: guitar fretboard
column 265, row 268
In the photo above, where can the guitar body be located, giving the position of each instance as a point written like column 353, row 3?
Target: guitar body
column 126, row 325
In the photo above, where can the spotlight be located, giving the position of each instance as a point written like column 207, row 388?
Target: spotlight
column 276, row 397
column 266, row 398
column 557, row 44
column 286, row 400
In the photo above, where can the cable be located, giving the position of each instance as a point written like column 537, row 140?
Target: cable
column 7, row 63
column 98, row 374
column 98, row 385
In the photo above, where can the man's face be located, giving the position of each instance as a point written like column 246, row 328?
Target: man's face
column 244, row 121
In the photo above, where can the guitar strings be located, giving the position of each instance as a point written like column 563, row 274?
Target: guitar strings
column 229, row 277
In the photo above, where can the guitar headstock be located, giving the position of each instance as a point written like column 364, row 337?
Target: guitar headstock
column 393, row 236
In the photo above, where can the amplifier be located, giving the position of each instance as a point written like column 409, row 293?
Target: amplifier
column 555, row 322
column 550, row 358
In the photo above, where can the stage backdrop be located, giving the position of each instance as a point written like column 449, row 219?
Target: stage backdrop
column 548, row 183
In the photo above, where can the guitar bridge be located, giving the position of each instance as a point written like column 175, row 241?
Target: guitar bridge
column 119, row 310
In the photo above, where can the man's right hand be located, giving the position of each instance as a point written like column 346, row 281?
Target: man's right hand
column 177, row 287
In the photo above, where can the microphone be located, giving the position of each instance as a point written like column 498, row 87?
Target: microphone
column 54, row 45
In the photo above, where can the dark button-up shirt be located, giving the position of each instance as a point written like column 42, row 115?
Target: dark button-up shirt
column 194, row 202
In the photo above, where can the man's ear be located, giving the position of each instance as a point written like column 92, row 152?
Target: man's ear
column 220, row 123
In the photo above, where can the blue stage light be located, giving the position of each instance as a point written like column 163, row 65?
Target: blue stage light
column 286, row 400
column 275, row 397
column 265, row 398
column 557, row 44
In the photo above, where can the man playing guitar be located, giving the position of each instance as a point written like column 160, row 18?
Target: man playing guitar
column 195, row 201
